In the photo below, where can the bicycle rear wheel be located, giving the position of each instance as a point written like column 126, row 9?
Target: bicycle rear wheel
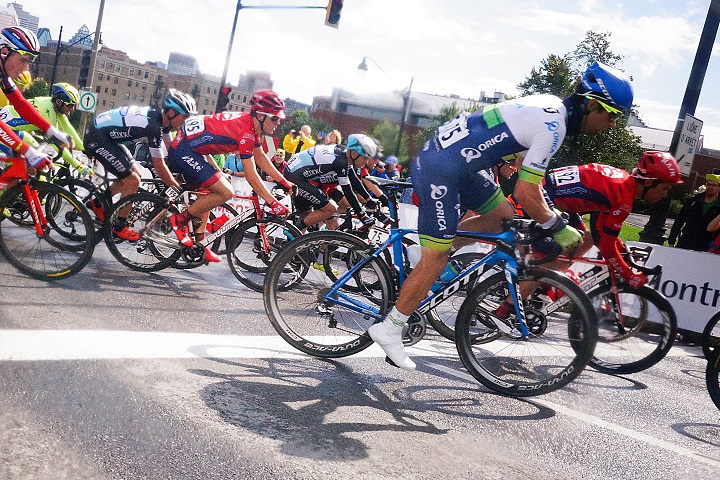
column 560, row 344
column 158, row 246
column 712, row 377
column 85, row 191
column 638, row 338
column 295, row 294
column 711, row 336
column 253, row 245
column 68, row 239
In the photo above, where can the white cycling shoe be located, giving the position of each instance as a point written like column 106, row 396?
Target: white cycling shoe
column 389, row 337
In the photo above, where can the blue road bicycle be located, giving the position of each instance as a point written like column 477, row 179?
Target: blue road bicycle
column 537, row 349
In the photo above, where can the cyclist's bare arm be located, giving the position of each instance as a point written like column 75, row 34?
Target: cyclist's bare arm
column 252, row 177
column 164, row 172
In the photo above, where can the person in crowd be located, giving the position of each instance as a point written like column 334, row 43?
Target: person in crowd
column 690, row 227
column 298, row 140
column 226, row 132
column 279, row 160
column 451, row 173
column 55, row 109
column 233, row 166
column 714, row 228
column 391, row 168
column 18, row 48
column 334, row 137
column 104, row 138
column 379, row 170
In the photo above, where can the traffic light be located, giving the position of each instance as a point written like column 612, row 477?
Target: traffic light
column 84, row 68
column 333, row 9
column 223, row 99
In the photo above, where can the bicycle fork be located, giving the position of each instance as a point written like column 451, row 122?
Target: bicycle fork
column 33, row 202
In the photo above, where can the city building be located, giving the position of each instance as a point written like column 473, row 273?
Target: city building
column 8, row 17
column 181, row 64
column 24, row 18
column 44, row 36
column 83, row 38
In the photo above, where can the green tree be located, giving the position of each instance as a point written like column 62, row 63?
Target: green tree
column 297, row 119
column 37, row 88
column 555, row 77
column 594, row 47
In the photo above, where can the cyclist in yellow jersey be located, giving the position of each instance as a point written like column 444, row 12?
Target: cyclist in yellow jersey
column 55, row 109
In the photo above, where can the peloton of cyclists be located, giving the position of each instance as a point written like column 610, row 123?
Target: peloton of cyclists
column 451, row 172
column 225, row 132
column 104, row 141
column 18, row 48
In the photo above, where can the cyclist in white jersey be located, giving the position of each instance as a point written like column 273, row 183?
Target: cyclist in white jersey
column 451, row 173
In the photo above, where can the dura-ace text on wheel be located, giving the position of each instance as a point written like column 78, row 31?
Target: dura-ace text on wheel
column 636, row 329
column 296, row 294
column 58, row 249
column 559, row 346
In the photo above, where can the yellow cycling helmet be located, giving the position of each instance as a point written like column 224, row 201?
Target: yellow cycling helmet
column 23, row 80
column 66, row 93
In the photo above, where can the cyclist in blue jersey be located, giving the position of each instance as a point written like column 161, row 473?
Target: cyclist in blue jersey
column 452, row 172
column 105, row 137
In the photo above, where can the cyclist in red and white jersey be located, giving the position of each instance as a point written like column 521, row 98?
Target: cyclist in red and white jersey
column 607, row 194
column 18, row 48
column 226, row 132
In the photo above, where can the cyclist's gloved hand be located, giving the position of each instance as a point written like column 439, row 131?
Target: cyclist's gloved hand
column 277, row 208
column 384, row 201
column 563, row 234
column 288, row 186
column 61, row 138
column 366, row 219
column 38, row 159
column 371, row 204
column 635, row 280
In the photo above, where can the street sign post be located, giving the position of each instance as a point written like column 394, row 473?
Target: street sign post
column 88, row 101
column 688, row 143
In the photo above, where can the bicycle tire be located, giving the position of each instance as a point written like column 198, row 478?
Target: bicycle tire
column 157, row 248
column 712, row 377
column 559, row 347
column 711, row 336
column 648, row 333
column 85, row 191
column 246, row 253
column 299, row 314
column 67, row 243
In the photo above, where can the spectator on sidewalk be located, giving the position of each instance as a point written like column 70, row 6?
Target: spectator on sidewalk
column 690, row 228
column 714, row 229
column 391, row 168
column 298, row 140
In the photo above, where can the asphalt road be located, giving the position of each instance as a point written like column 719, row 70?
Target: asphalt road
column 178, row 375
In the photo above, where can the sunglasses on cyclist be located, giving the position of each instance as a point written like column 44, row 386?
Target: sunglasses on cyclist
column 273, row 118
column 615, row 113
column 30, row 57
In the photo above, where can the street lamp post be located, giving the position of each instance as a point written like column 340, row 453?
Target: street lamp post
column 362, row 68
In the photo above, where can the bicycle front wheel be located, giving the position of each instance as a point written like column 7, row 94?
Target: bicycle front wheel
column 297, row 288
column 636, row 329
column 711, row 336
column 253, row 245
column 559, row 346
column 67, row 241
column 148, row 215
column 712, row 377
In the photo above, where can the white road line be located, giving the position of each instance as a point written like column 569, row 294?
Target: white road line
column 642, row 437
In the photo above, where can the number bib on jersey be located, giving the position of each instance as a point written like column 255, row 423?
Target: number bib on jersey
column 194, row 125
column 566, row 175
column 452, row 131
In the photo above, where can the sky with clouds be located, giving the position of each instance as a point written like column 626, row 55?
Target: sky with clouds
column 446, row 47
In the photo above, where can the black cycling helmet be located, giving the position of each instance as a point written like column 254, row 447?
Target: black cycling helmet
column 179, row 101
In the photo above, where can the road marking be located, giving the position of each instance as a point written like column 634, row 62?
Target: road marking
column 642, row 437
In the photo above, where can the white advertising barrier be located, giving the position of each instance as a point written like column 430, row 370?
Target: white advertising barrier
column 690, row 281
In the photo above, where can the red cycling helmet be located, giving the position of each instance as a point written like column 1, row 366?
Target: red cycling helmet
column 267, row 102
column 658, row 166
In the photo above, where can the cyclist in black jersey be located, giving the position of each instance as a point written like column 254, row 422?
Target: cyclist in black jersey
column 105, row 137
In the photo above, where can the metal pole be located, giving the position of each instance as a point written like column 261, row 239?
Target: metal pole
column 57, row 56
column 93, row 58
column 229, row 51
column 654, row 231
column 406, row 107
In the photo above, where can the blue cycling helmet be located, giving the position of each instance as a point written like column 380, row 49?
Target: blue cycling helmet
column 603, row 82
column 179, row 101
column 363, row 145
